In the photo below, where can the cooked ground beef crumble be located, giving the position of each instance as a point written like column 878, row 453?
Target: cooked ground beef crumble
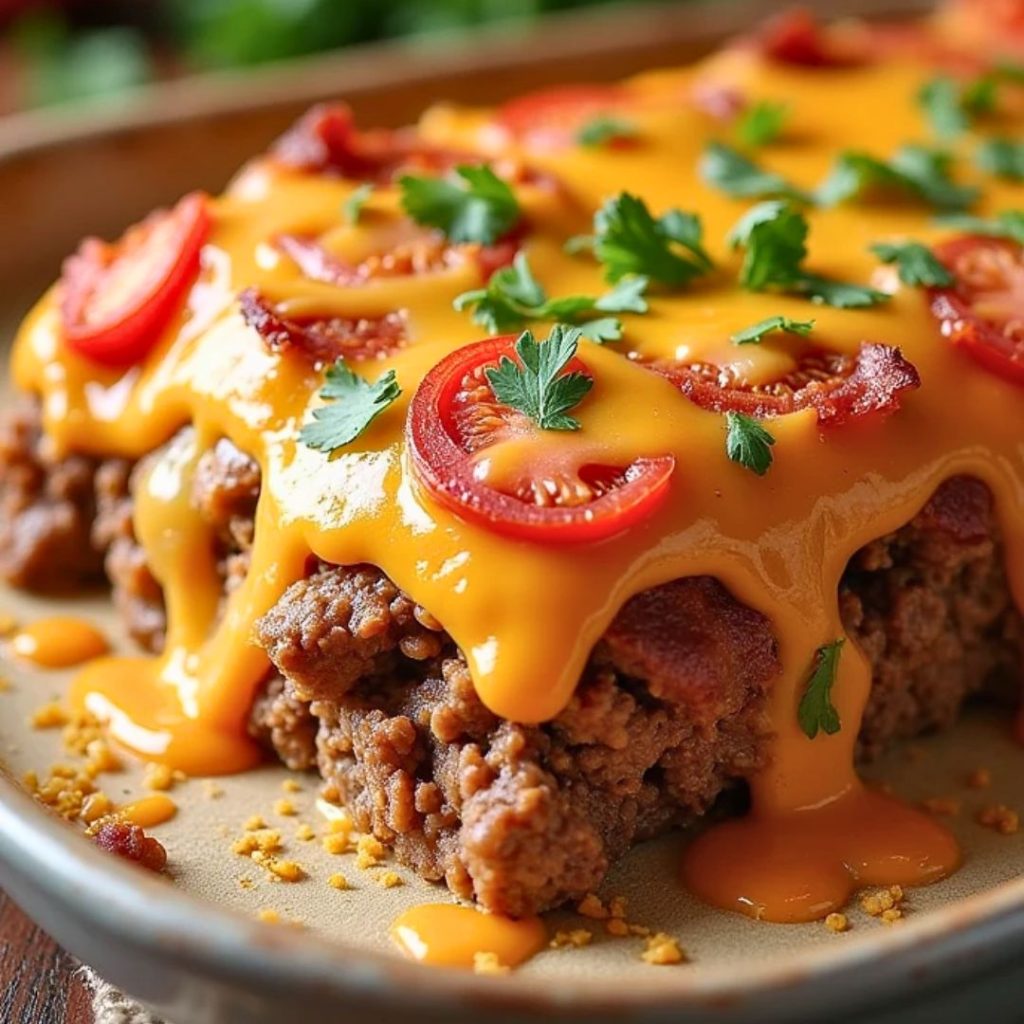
column 369, row 690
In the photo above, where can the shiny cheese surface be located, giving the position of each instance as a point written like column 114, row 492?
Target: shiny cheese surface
column 526, row 616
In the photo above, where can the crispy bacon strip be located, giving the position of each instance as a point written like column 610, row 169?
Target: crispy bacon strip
column 324, row 340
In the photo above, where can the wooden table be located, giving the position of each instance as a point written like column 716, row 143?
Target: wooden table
column 38, row 984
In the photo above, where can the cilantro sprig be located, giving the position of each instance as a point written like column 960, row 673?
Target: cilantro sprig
column 474, row 205
column 773, row 236
column 628, row 239
column 950, row 105
column 756, row 333
column 537, row 386
column 923, row 172
column 738, row 176
column 916, row 264
column 513, row 296
column 748, row 443
column 352, row 404
column 816, row 712
column 1005, row 224
column 605, row 129
column 1002, row 157
column 352, row 208
column 761, row 123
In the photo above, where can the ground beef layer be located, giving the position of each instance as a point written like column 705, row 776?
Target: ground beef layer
column 668, row 716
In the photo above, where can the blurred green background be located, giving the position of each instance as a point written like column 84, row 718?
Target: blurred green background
column 59, row 52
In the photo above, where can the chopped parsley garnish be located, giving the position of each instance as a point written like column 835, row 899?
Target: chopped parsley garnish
column 1002, row 157
column 762, row 123
column 628, row 239
column 950, row 105
column 475, row 206
column 513, row 296
column 923, row 172
column 536, row 386
column 816, row 712
column 1006, row 224
column 774, row 236
column 916, row 264
column 748, row 443
column 723, row 167
column 605, row 128
column 353, row 206
column 352, row 405
column 754, row 334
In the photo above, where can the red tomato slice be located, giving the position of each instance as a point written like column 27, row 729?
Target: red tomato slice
column 983, row 313
column 839, row 387
column 116, row 298
column 454, row 415
column 551, row 118
column 797, row 37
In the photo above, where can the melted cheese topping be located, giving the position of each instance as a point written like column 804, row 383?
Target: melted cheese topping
column 525, row 615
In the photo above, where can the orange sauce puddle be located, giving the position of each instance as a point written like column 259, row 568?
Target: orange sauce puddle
column 59, row 642
column 449, row 935
column 801, row 866
column 149, row 811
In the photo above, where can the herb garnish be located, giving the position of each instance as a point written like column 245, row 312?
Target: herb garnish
column 352, row 405
column 923, row 172
column 774, row 235
column 1002, row 157
column 478, row 208
column 627, row 239
column 723, row 167
column 748, row 443
column 762, row 123
column 605, row 128
column 1006, row 224
column 754, row 334
column 353, row 205
column 514, row 296
column 537, row 387
column 816, row 711
column 916, row 264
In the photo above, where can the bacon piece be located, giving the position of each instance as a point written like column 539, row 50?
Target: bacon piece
column 838, row 387
column 129, row 842
column 324, row 340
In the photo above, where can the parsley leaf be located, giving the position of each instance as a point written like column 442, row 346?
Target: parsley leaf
column 774, row 235
column 353, row 205
column 514, row 296
column 628, row 240
column 534, row 385
column 1002, row 157
column 352, row 405
column 762, row 123
column 923, row 172
column 950, row 105
column 748, row 443
column 605, row 128
column 478, row 208
column 1006, row 224
column 723, row 167
column 915, row 262
column 816, row 711
column 754, row 334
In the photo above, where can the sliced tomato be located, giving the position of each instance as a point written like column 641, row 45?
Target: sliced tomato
column 797, row 37
column 983, row 313
column 552, row 118
column 116, row 298
column 324, row 339
column 454, row 415
column 326, row 141
column 838, row 387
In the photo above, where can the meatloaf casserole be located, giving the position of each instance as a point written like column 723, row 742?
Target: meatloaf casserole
column 544, row 477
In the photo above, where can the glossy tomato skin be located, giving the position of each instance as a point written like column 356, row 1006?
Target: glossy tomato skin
column 444, row 468
column 987, row 342
column 551, row 118
column 120, row 329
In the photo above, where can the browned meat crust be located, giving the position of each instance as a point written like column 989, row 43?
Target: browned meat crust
column 667, row 717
